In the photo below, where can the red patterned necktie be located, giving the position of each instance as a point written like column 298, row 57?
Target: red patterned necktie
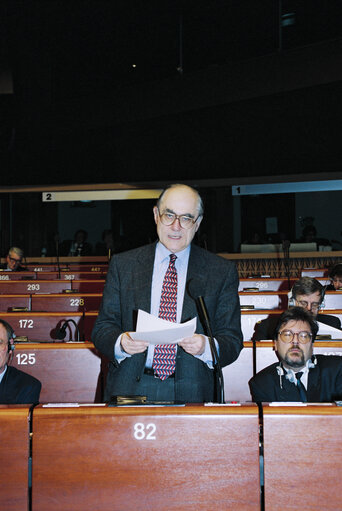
column 164, row 359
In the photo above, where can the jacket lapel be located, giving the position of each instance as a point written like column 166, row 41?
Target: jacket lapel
column 143, row 283
column 195, row 284
column 314, row 378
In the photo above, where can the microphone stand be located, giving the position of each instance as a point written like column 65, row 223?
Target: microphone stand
column 57, row 254
column 217, row 365
column 286, row 251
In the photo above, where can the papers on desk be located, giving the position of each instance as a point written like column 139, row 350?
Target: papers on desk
column 158, row 331
column 297, row 403
column 324, row 329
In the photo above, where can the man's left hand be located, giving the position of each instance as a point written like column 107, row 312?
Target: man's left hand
column 193, row 345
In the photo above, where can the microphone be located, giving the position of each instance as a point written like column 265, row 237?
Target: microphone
column 57, row 255
column 286, row 251
column 204, row 318
column 60, row 333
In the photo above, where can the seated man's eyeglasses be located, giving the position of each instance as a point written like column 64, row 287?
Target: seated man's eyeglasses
column 314, row 306
column 14, row 260
column 185, row 221
column 287, row 336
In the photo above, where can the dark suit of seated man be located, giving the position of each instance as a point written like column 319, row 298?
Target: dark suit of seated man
column 16, row 387
column 13, row 260
column 299, row 375
column 137, row 279
column 308, row 293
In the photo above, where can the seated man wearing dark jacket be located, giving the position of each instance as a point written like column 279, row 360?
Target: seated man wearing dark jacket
column 308, row 293
column 299, row 375
column 13, row 260
column 16, row 387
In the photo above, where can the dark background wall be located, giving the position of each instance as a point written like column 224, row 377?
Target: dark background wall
column 219, row 88
column 213, row 92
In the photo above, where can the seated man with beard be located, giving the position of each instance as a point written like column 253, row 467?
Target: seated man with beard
column 299, row 375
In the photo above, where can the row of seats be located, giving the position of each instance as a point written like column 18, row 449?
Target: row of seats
column 91, row 301
column 51, row 275
column 173, row 457
column 51, row 286
column 41, row 326
column 76, row 372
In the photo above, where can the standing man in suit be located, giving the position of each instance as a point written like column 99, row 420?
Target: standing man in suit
column 299, row 375
column 136, row 280
column 16, row 387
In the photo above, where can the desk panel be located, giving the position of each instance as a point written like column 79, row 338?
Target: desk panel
column 66, row 302
column 67, row 266
column 162, row 458
column 88, row 286
column 303, row 458
column 17, row 275
column 70, row 275
column 14, row 453
column 266, row 284
column 24, row 286
column 237, row 375
column 43, row 326
column 264, row 299
column 69, row 372
column 8, row 301
column 249, row 318
column 315, row 272
column 333, row 300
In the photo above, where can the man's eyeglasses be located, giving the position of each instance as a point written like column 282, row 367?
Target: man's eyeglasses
column 13, row 260
column 314, row 306
column 287, row 336
column 185, row 221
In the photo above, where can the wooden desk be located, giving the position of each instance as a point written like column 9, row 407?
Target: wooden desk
column 70, row 267
column 333, row 300
column 88, row 286
column 14, row 453
column 262, row 300
column 303, row 457
column 279, row 299
column 69, row 372
column 30, row 287
column 314, row 272
column 42, row 326
column 161, row 458
column 237, row 375
column 66, row 302
column 266, row 284
column 8, row 301
column 17, row 275
column 71, row 275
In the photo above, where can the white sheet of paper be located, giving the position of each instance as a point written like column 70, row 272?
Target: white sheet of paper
column 159, row 331
column 328, row 330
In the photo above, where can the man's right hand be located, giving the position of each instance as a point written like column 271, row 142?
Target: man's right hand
column 132, row 347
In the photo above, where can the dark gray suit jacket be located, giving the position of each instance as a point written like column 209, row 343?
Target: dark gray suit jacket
column 19, row 388
column 128, row 288
column 324, row 383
